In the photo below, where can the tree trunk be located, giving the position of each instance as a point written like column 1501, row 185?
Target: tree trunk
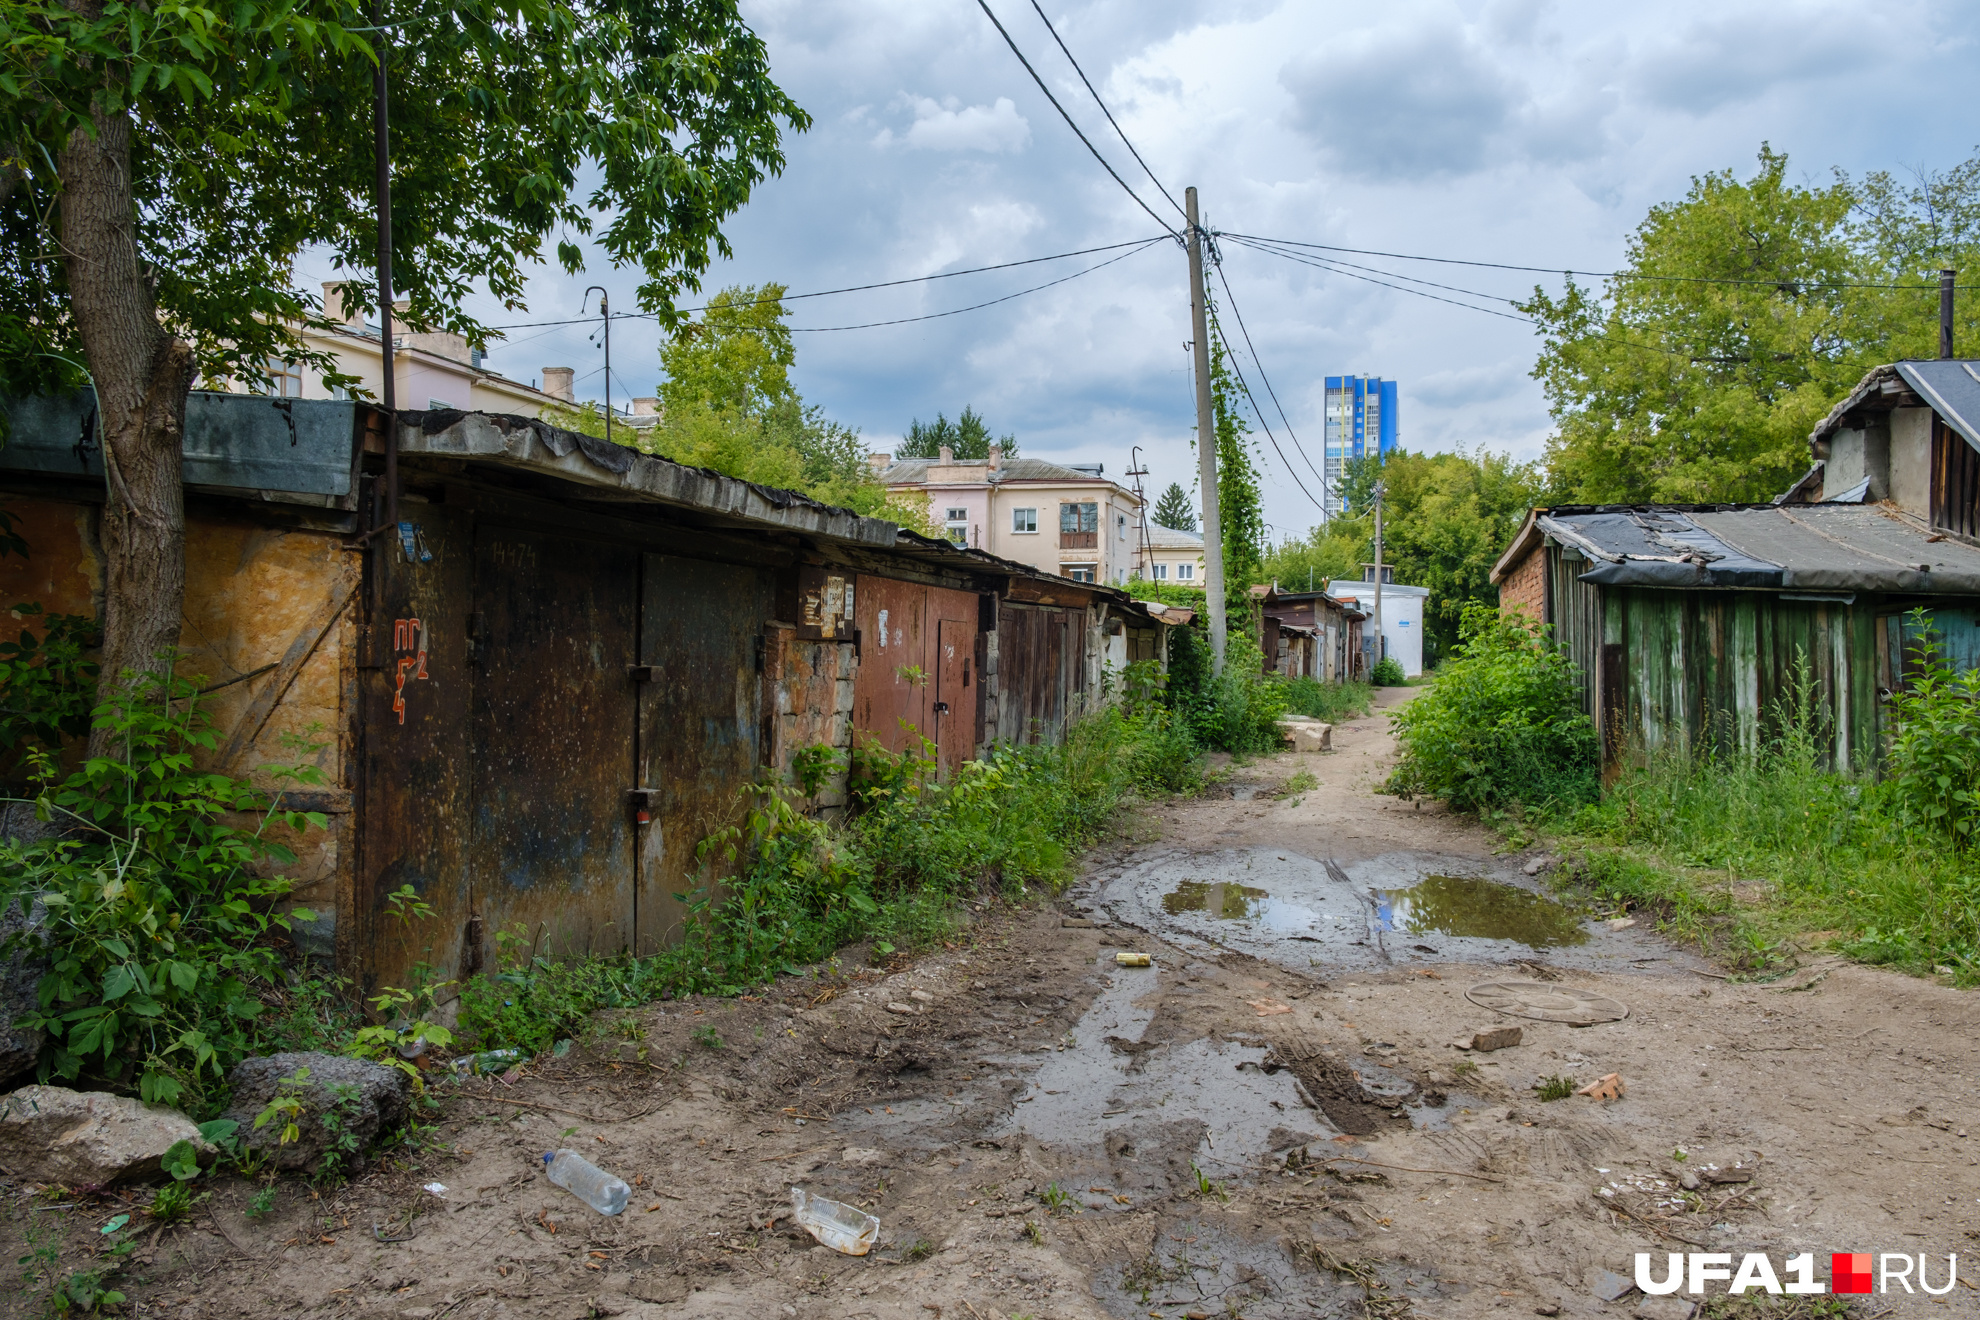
column 142, row 375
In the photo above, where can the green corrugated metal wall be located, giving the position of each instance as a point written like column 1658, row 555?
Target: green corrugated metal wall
column 1712, row 670
column 1715, row 670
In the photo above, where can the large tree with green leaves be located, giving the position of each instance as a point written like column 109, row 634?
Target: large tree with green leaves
column 1174, row 510
column 1742, row 313
column 968, row 438
column 163, row 164
column 1446, row 519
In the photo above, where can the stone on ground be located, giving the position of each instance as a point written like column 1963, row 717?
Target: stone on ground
column 364, row 1100
column 86, row 1139
column 1305, row 735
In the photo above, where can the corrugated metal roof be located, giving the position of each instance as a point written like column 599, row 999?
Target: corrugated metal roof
column 297, row 451
column 914, row 472
column 1810, row 547
column 1168, row 538
column 1952, row 387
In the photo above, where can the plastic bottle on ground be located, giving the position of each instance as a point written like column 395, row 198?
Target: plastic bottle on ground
column 839, row 1226
column 586, row 1181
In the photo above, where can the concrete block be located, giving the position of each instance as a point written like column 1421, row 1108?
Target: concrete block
column 1303, row 735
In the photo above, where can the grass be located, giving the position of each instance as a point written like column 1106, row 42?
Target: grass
column 1332, row 702
column 896, row 875
column 1555, row 1088
column 1757, row 858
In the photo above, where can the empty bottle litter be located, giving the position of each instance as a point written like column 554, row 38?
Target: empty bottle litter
column 586, row 1181
column 488, row 1061
column 839, row 1226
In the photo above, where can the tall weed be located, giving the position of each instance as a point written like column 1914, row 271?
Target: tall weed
column 1750, row 850
column 1503, row 724
column 894, row 873
column 159, row 918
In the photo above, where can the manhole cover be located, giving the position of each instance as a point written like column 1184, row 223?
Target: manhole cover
column 1549, row 1003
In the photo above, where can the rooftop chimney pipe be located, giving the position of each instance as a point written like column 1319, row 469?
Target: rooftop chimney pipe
column 1946, row 311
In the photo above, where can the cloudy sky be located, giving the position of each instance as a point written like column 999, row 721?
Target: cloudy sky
column 1516, row 131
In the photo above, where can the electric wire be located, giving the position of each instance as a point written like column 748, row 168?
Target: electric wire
column 1264, row 246
column 1105, row 111
column 1238, row 370
column 1321, row 263
column 1266, row 380
column 936, row 316
column 851, row 288
column 985, row 7
column 1595, row 274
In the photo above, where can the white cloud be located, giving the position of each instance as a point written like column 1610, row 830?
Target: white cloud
column 948, row 125
column 1400, row 104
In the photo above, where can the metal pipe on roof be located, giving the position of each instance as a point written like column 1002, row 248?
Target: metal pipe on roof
column 1946, row 277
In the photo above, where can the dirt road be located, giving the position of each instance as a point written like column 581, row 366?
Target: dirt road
column 1268, row 1121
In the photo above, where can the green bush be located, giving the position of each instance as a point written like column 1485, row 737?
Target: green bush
column 1332, row 702
column 1503, row 724
column 1932, row 773
column 159, row 925
column 1388, row 672
column 1235, row 711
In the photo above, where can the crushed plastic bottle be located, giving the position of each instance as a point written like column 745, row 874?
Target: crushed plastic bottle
column 839, row 1226
column 586, row 1181
column 488, row 1061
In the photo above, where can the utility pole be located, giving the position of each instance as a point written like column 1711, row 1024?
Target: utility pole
column 605, row 310
column 1380, row 649
column 381, row 147
column 1206, row 442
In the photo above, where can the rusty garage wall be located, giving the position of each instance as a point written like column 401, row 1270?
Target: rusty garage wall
column 917, row 672
column 269, row 634
column 553, row 722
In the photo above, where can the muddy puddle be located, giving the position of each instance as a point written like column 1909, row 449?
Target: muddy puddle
column 1202, row 1100
column 1316, row 915
column 1474, row 906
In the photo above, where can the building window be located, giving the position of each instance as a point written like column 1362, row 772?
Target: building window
column 957, row 526
column 284, row 379
column 1080, row 572
column 958, row 515
column 1024, row 520
column 1083, row 517
column 1122, row 518
column 1160, row 571
column 1185, row 572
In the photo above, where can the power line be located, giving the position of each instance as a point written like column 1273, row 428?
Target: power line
column 851, row 288
column 1259, row 413
column 985, row 7
column 1267, row 382
column 1321, row 263
column 1105, row 111
column 936, row 316
column 1595, row 274
column 1266, row 246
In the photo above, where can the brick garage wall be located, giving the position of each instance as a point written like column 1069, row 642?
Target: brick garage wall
column 1524, row 588
column 810, row 701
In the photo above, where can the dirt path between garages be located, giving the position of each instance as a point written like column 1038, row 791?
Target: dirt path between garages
column 1268, row 1121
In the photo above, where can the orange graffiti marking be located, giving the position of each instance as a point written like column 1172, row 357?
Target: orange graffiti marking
column 408, row 635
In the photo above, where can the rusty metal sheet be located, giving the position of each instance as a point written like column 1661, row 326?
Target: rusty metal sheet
column 413, row 706
column 826, row 609
column 891, row 697
column 1036, row 666
column 952, row 670
column 551, row 850
column 700, row 720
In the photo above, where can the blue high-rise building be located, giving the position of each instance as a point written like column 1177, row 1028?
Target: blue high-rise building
column 1360, row 420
